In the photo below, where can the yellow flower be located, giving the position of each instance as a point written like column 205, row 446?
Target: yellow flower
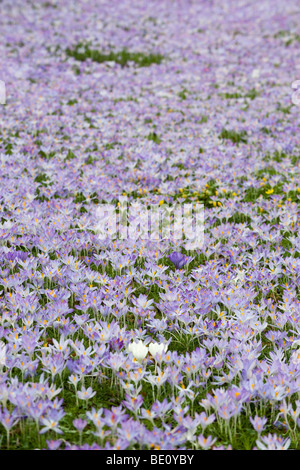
column 270, row 191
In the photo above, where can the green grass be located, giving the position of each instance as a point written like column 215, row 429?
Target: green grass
column 154, row 137
column 293, row 37
column 183, row 94
column 235, row 137
column 231, row 96
column 122, row 57
column 253, row 93
column 204, row 119
column 6, row 146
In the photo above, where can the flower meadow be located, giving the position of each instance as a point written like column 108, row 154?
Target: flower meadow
column 127, row 344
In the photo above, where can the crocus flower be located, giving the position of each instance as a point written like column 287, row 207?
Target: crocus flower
column 79, row 424
column 273, row 442
column 8, row 420
column 206, row 442
column 178, row 259
column 54, row 445
column 50, row 424
column 2, row 355
column 258, row 423
column 139, row 350
column 156, row 348
column 85, row 394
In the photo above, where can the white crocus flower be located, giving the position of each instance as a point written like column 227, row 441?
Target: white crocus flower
column 296, row 343
column 2, row 355
column 139, row 350
column 156, row 348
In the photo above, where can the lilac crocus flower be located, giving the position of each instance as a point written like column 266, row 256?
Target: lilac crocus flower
column 85, row 394
column 79, row 424
column 273, row 442
column 206, row 442
column 53, row 445
column 258, row 423
column 50, row 424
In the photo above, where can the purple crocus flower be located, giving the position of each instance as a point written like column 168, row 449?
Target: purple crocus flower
column 79, row 424
column 116, row 344
column 53, row 445
column 178, row 259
